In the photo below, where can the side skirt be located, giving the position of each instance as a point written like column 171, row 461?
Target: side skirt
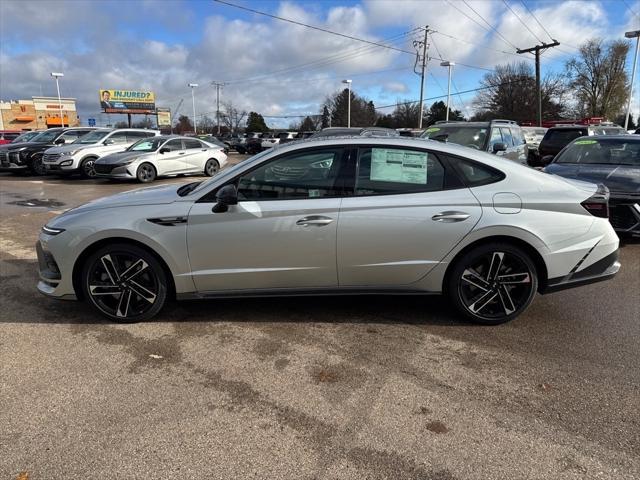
column 307, row 292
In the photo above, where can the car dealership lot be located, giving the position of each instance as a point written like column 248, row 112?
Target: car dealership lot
column 329, row 387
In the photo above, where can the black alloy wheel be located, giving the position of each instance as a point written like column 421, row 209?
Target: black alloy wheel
column 211, row 167
column 88, row 168
column 146, row 173
column 37, row 166
column 125, row 283
column 493, row 284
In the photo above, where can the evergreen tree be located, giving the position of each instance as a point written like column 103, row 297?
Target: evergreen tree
column 255, row 123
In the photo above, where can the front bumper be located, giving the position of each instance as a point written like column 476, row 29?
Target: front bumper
column 11, row 161
column 115, row 171
column 55, row 163
column 51, row 282
column 624, row 213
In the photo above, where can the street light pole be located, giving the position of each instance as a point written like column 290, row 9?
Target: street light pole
column 193, row 103
column 348, row 82
column 634, row 34
column 448, row 64
column 57, row 75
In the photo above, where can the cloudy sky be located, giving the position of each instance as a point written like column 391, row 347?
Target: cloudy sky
column 277, row 68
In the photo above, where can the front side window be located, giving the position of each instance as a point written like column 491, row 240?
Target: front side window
column 389, row 171
column 173, row 145
column 192, row 143
column 91, row 138
column 304, row 174
column 118, row 137
column 72, row 135
column 496, row 137
column 147, row 145
column 507, row 138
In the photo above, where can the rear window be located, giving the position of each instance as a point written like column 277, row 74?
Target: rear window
column 562, row 137
column 602, row 151
column 468, row 136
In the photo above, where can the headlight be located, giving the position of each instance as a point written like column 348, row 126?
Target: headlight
column 128, row 161
column 51, row 230
column 322, row 164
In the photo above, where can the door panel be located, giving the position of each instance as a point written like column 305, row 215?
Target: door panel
column 194, row 155
column 264, row 244
column 171, row 163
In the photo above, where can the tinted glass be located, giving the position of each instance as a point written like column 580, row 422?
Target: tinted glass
column 507, row 138
column 496, row 137
column 562, row 137
column 602, row 151
column 476, row 174
column 305, row 174
column 72, row 135
column 192, row 143
column 26, row 137
column 118, row 137
column 135, row 136
column 469, row 136
column 92, row 137
column 395, row 171
column 147, row 144
column 173, row 145
column 10, row 136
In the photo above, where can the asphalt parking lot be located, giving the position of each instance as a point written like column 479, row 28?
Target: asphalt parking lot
column 330, row 388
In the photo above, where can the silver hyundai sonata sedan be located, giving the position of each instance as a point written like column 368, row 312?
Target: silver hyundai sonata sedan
column 337, row 216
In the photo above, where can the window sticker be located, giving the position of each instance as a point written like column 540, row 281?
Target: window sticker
column 404, row 166
column 586, row 142
column 432, row 129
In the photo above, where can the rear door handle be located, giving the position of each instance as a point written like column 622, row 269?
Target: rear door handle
column 450, row 217
column 317, row 220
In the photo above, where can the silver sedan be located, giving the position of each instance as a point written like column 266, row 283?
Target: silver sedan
column 337, row 216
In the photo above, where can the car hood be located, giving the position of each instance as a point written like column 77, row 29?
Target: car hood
column 618, row 178
column 156, row 195
column 17, row 146
column 67, row 148
column 119, row 157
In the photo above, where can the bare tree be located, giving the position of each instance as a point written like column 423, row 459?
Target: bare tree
column 232, row 117
column 598, row 77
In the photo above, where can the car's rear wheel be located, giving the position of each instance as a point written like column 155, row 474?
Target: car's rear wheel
column 36, row 166
column 211, row 167
column 493, row 283
column 125, row 283
column 88, row 168
column 146, row 173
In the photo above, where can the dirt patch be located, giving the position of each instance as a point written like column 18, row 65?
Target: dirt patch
column 436, row 426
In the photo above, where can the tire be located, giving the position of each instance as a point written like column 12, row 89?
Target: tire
column 146, row 173
column 36, row 166
column 488, row 295
column 211, row 167
column 241, row 150
column 87, row 167
column 124, row 283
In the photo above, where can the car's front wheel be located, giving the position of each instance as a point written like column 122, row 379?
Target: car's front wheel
column 124, row 282
column 493, row 283
column 146, row 173
column 88, row 167
column 211, row 167
column 36, row 166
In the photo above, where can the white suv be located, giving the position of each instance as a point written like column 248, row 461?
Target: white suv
column 80, row 156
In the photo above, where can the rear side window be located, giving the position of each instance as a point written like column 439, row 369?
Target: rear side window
column 562, row 137
column 192, row 143
column 135, row 136
column 389, row 171
column 475, row 174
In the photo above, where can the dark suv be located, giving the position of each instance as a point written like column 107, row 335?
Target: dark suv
column 501, row 137
column 15, row 157
column 559, row 137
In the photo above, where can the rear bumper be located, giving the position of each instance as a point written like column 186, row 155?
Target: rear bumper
column 604, row 269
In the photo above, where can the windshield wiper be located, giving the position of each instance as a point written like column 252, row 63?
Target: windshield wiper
column 188, row 188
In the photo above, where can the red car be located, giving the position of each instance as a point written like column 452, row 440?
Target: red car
column 8, row 136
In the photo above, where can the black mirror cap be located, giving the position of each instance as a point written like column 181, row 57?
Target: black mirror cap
column 227, row 195
column 546, row 160
column 165, row 150
column 499, row 147
column 59, row 141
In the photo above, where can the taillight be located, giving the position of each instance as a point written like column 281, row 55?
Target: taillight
column 598, row 204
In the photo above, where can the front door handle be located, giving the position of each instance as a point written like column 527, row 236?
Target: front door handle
column 317, row 220
column 450, row 217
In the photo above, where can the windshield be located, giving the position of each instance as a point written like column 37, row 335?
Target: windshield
column 469, row 136
column 48, row 136
column 90, row 138
column 602, row 151
column 150, row 144
column 26, row 137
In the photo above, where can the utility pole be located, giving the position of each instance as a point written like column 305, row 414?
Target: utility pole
column 634, row 34
column 218, row 86
column 536, row 50
column 423, row 60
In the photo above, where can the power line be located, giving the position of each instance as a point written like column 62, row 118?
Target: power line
column 629, row 8
column 489, row 25
column 475, row 44
column 520, row 20
column 536, row 19
column 313, row 27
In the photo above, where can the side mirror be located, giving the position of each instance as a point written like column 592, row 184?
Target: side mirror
column 499, row 147
column 109, row 141
column 546, row 160
column 165, row 150
column 227, row 195
column 59, row 141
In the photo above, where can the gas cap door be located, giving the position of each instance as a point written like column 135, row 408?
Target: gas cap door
column 507, row 203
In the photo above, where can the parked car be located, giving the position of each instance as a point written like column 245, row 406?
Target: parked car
column 215, row 141
column 80, row 156
column 297, row 136
column 559, row 137
column 243, row 144
column 613, row 161
column 268, row 140
column 533, row 136
column 500, row 137
column 356, row 132
column 410, row 132
column 8, row 136
column 253, row 143
column 17, row 157
column 26, row 136
column 368, row 215
column 164, row 155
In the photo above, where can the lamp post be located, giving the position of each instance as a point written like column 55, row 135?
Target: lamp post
column 57, row 75
column 448, row 64
column 348, row 82
column 634, row 34
column 193, row 103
